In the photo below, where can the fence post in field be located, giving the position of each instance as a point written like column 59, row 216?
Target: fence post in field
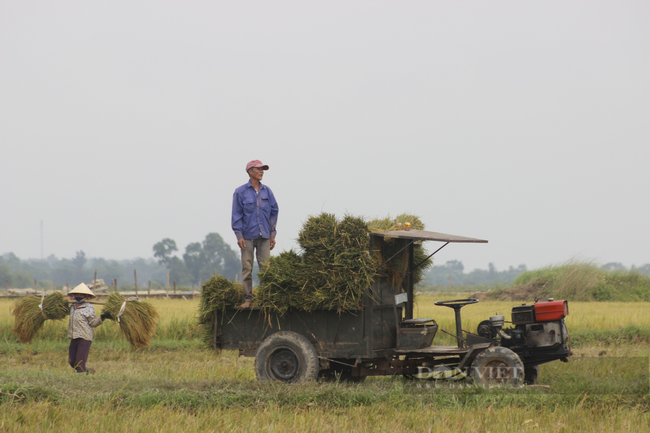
column 149, row 290
column 67, row 287
column 174, row 287
column 167, row 287
column 135, row 275
column 95, row 280
column 449, row 284
column 7, row 285
column 115, row 284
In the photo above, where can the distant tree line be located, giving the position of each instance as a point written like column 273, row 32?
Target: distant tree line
column 200, row 261
column 22, row 273
column 212, row 256
column 453, row 273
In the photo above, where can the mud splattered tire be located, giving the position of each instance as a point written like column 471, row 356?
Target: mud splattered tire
column 286, row 357
column 497, row 366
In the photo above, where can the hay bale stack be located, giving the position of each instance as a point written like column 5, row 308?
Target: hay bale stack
column 29, row 318
column 137, row 321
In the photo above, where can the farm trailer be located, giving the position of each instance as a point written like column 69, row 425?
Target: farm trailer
column 383, row 338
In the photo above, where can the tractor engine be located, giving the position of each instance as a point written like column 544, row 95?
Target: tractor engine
column 539, row 333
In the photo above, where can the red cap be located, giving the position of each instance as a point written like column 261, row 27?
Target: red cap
column 256, row 163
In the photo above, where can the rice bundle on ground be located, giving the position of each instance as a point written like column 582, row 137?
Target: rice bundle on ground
column 137, row 320
column 29, row 317
column 216, row 294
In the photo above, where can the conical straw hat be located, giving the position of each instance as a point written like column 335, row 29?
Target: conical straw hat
column 81, row 289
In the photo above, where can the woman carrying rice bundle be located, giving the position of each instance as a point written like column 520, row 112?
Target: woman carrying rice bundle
column 81, row 327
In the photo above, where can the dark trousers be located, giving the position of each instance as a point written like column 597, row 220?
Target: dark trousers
column 78, row 354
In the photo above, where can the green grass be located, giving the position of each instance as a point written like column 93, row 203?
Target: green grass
column 385, row 418
column 177, row 385
column 201, row 390
column 203, row 378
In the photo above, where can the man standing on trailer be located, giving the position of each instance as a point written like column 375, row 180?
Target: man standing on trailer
column 254, row 217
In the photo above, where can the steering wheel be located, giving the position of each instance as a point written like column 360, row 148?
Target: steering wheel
column 456, row 303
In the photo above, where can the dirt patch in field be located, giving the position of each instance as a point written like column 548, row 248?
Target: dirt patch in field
column 538, row 289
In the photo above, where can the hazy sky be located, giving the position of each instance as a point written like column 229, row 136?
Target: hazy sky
column 524, row 123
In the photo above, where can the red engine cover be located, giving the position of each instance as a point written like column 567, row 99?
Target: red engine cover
column 551, row 310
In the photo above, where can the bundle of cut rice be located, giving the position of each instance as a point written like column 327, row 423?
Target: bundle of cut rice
column 395, row 269
column 283, row 281
column 332, row 274
column 216, row 294
column 137, row 319
column 31, row 313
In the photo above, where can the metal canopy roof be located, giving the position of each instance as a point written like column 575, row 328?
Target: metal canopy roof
column 422, row 235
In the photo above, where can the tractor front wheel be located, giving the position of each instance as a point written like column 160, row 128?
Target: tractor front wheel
column 286, row 357
column 497, row 366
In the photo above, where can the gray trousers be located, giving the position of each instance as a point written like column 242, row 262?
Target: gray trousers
column 261, row 249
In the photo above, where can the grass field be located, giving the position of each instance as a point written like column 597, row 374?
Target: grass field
column 177, row 385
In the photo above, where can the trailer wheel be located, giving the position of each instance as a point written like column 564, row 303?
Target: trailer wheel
column 498, row 365
column 286, row 357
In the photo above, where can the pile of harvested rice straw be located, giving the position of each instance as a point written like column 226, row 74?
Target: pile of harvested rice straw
column 30, row 317
column 333, row 272
column 137, row 319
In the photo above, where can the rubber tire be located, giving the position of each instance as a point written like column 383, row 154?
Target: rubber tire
column 498, row 366
column 286, row 357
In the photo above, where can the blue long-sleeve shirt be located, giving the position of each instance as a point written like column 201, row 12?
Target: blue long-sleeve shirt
column 254, row 214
